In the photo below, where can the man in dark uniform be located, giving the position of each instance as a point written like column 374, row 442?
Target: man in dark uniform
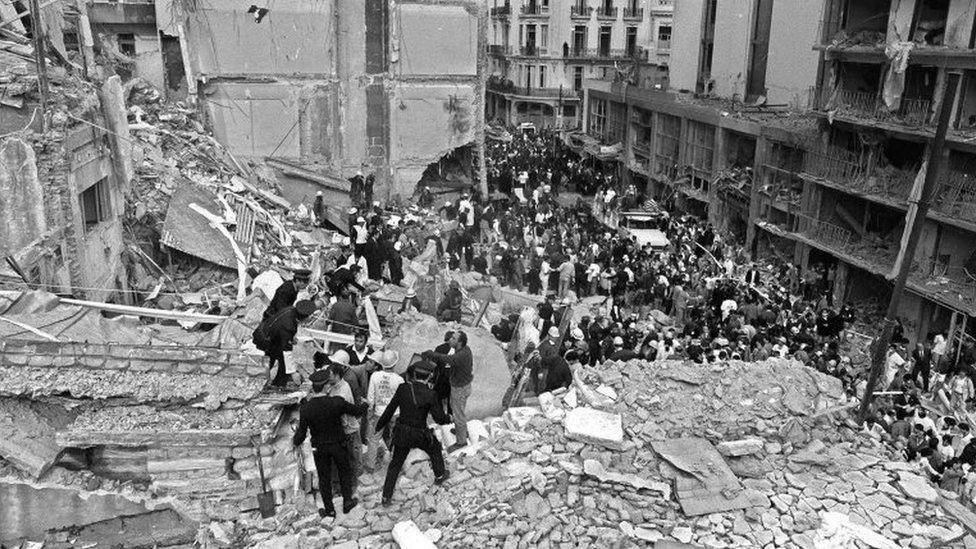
column 415, row 399
column 322, row 415
column 281, row 330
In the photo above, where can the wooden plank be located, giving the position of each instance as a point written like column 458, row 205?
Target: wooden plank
column 144, row 311
column 332, row 337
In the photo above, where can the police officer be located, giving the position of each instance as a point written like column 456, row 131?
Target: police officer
column 322, row 415
column 415, row 399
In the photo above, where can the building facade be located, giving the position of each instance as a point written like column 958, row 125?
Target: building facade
column 541, row 51
column 826, row 182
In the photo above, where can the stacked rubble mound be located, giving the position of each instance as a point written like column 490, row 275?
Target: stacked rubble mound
column 731, row 455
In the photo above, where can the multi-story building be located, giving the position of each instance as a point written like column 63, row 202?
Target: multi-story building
column 542, row 50
column 809, row 141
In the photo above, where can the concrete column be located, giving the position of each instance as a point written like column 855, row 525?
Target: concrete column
column 755, row 202
column 841, row 282
column 113, row 109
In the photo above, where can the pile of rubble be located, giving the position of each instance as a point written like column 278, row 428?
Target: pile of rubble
column 736, row 455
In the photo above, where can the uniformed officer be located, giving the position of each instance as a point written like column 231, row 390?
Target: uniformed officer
column 322, row 415
column 415, row 399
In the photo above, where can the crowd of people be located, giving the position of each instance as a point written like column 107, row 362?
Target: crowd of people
column 700, row 298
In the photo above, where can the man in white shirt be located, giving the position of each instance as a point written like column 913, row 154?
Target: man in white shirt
column 893, row 364
column 382, row 386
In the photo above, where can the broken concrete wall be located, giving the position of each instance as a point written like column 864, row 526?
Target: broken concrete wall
column 430, row 121
column 792, row 63
column 30, row 511
column 22, row 218
column 686, row 44
column 98, row 252
column 294, row 38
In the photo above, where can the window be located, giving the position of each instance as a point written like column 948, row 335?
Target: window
column 96, row 205
column 543, row 36
column 127, row 44
column 528, row 77
column 929, row 22
column 699, row 150
column 542, row 76
column 579, row 40
column 667, row 143
column 631, row 41
column 616, row 123
column 759, row 54
column 605, row 41
column 577, row 78
column 598, row 117
column 664, row 37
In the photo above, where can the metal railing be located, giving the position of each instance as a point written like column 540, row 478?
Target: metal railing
column 634, row 13
column 541, row 92
column 863, row 173
column 957, row 196
column 580, row 12
column 532, row 50
column 535, row 9
column 604, row 12
column 498, row 49
column 501, row 11
column 824, row 232
column 781, row 185
column 910, row 111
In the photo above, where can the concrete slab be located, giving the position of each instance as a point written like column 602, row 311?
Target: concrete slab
column 595, row 426
column 27, row 430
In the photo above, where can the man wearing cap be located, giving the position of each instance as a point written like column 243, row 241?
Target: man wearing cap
column 460, row 365
column 318, row 209
column 359, row 236
column 280, row 331
column 322, row 415
column 550, row 345
column 619, row 353
column 382, row 386
column 410, row 301
column 414, row 400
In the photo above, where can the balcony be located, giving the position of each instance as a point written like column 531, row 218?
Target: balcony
column 835, row 32
column 532, row 51
column 580, row 12
column 498, row 49
column 634, row 14
column 535, row 10
column 604, row 12
column 956, row 198
column 912, row 112
column 501, row 11
column 638, row 54
column 870, row 179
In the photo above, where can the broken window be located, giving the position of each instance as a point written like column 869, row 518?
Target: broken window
column 631, row 41
column 95, row 204
column 863, row 21
column 966, row 117
column 577, row 78
column 616, row 122
column 929, row 22
column 957, row 190
column 579, row 40
column 664, row 37
column 740, row 150
column 598, row 117
column 699, row 150
column 668, row 142
column 127, row 44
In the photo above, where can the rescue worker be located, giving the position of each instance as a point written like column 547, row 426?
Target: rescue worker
column 414, row 400
column 321, row 415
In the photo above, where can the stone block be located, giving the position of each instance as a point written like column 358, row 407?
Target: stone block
column 595, row 426
column 735, row 448
column 144, row 366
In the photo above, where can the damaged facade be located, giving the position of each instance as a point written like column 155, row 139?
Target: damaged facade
column 63, row 190
column 542, row 50
column 339, row 87
column 811, row 153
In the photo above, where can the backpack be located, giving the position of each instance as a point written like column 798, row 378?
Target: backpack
column 262, row 334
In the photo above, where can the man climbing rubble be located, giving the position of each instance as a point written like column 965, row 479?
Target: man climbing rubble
column 414, row 400
column 323, row 415
column 449, row 309
column 276, row 337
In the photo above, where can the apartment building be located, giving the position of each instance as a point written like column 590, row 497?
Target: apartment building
column 541, row 51
column 818, row 165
